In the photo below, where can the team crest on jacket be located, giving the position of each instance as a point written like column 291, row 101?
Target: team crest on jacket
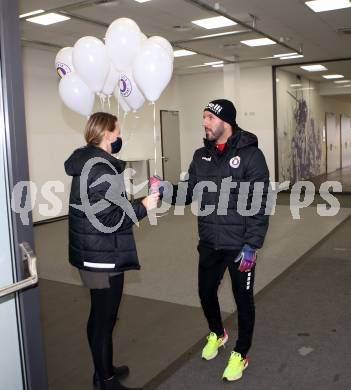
column 235, row 162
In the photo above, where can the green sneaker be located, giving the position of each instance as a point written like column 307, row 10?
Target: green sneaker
column 210, row 350
column 236, row 366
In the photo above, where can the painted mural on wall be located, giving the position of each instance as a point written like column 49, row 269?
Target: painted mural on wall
column 306, row 144
column 300, row 133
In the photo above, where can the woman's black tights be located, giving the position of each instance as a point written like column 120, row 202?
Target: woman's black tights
column 103, row 316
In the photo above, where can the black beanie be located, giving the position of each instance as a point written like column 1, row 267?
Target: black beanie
column 223, row 109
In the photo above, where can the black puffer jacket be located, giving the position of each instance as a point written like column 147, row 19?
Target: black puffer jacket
column 241, row 161
column 101, row 239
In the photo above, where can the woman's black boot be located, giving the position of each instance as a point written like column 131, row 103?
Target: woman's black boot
column 120, row 372
column 114, row 384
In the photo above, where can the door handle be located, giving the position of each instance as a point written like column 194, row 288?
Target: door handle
column 30, row 260
column 165, row 158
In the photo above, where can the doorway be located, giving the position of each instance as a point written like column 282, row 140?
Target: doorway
column 170, row 135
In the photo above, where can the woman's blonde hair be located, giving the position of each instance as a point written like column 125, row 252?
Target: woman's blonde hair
column 96, row 125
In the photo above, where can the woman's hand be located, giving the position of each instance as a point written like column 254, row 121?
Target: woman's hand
column 150, row 202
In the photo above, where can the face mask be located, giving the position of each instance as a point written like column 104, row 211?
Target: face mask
column 116, row 145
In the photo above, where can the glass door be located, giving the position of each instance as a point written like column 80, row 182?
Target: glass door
column 21, row 349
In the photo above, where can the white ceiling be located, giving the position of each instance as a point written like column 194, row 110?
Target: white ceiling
column 290, row 20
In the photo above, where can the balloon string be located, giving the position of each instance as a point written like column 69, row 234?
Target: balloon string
column 118, row 94
column 122, row 123
column 155, row 138
column 109, row 103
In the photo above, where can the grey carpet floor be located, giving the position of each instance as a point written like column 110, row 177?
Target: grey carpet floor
column 302, row 337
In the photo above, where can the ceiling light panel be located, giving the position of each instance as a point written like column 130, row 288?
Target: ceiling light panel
column 284, row 55
column 314, row 68
column 215, row 22
column 333, row 76
column 258, row 42
column 222, row 34
column 48, row 19
column 292, row 57
column 213, row 63
column 183, row 53
column 328, row 5
column 38, row 11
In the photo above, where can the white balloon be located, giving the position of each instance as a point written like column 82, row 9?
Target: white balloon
column 120, row 100
column 143, row 38
column 111, row 81
column 130, row 91
column 91, row 62
column 164, row 43
column 63, row 62
column 123, row 41
column 76, row 94
column 152, row 70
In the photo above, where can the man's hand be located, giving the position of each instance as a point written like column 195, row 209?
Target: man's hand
column 247, row 258
column 150, row 202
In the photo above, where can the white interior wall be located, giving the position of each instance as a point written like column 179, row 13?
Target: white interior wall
column 256, row 104
column 194, row 92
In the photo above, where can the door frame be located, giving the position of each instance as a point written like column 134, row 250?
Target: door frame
column 16, row 147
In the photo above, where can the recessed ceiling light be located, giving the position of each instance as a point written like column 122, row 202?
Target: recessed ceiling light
column 196, row 66
column 295, row 85
column 333, row 76
column 38, row 11
column 47, row 19
column 258, row 42
column 213, row 63
column 215, row 22
column 218, row 66
column 183, row 53
column 291, row 57
column 328, row 5
column 221, row 34
column 314, row 68
column 342, row 81
column 284, row 55
column 142, row 1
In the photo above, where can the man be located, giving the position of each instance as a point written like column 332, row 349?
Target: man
column 227, row 238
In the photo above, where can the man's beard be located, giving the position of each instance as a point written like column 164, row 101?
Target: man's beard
column 215, row 134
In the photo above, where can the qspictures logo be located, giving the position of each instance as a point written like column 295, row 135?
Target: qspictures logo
column 115, row 195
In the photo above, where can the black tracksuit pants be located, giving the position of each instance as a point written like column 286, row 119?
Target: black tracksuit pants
column 212, row 265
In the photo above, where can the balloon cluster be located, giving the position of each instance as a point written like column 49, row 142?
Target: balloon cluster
column 128, row 65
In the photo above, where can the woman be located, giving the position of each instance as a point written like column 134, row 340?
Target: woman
column 101, row 242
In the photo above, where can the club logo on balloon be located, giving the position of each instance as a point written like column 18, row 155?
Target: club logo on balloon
column 125, row 86
column 62, row 69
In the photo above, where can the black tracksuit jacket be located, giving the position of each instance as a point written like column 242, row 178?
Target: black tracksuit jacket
column 88, row 244
column 241, row 161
